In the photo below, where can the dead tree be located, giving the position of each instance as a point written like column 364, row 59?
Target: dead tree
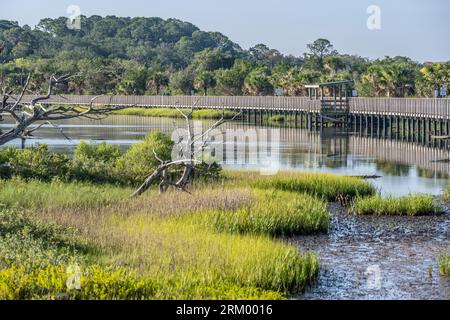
column 26, row 115
column 192, row 145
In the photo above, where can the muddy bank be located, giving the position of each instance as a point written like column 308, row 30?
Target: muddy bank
column 380, row 257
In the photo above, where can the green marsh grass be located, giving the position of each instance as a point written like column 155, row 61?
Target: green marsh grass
column 327, row 186
column 173, row 113
column 161, row 251
column 444, row 264
column 447, row 193
column 33, row 194
column 274, row 213
column 411, row 205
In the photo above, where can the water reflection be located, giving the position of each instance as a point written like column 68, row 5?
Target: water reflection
column 405, row 166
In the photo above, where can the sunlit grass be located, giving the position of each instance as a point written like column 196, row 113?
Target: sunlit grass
column 273, row 212
column 411, row 205
column 32, row 194
column 444, row 264
column 173, row 113
column 163, row 246
column 328, row 186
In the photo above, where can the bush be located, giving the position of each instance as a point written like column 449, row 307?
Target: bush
column 36, row 162
column 95, row 162
column 412, row 205
column 101, row 163
column 139, row 161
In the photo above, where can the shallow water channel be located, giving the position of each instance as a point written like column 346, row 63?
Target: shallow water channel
column 361, row 257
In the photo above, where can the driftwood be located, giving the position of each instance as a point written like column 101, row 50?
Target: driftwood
column 187, row 159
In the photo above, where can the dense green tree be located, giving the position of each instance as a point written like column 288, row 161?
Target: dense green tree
column 204, row 80
column 318, row 51
column 258, row 82
column 182, row 82
column 156, row 56
column 433, row 77
column 231, row 81
column 390, row 77
column 133, row 81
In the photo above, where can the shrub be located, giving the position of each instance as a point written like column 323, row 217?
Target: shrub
column 139, row 161
column 36, row 162
column 412, row 205
column 95, row 162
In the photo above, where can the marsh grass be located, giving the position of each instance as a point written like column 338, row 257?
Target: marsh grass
column 32, row 194
column 444, row 264
column 161, row 251
column 447, row 193
column 327, row 186
column 274, row 213
column 411, row 205
column 173, row 113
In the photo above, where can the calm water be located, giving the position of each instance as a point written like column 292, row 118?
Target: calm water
column 405, row 167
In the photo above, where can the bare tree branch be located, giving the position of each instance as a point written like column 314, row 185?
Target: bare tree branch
column 188, row 158
column 25, row 115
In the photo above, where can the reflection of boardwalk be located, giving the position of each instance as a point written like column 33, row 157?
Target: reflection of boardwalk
column 331, row 143
column 334, row 146
column 401, row 152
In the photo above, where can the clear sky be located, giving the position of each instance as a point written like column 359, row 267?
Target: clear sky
column 416, row 28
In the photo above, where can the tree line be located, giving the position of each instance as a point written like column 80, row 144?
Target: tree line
column 153, row 56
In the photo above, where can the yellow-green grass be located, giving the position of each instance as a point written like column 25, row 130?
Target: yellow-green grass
column 173, row 113
column 447, row 193
column 32, row 194
column 444, row 264
column 153, row 247
column 411, row 205
column 273, row 212
column 327, row 186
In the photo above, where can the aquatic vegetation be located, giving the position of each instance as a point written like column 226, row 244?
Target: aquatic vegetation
column 411, row 205
column 173, row 113
column 328, row 186
column 447, row 193
column 444, row 264
column 274, row 212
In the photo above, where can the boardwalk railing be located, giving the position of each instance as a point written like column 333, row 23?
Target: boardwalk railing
column 400, row 107
column 210, row 102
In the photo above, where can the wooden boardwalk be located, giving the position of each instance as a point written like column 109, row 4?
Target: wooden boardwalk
column 396, row 107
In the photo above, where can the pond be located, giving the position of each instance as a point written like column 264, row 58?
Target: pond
column 404, row 167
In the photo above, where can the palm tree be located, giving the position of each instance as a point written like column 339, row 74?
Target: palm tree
column 204, row 80
column 258, row 82
column 159, row 80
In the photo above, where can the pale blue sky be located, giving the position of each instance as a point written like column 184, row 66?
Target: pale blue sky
column 416, row 28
